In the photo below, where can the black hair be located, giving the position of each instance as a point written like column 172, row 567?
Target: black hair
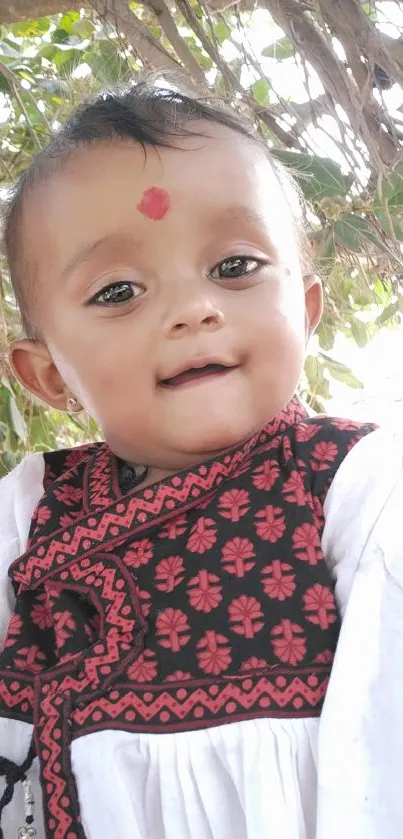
column 148, row 113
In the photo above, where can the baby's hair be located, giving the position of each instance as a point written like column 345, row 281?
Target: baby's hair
column 150, row 113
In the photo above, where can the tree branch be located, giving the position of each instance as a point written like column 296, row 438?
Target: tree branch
column 350, row 23
column 310, row 42
column 9, row 75
column 151, row 52
column 18, row 10
column 183, row 52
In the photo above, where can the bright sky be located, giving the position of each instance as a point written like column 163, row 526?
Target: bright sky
column 380, row 368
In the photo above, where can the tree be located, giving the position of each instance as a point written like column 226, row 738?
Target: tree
column 321, row 80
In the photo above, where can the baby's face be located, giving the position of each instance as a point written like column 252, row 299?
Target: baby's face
column 178, row 317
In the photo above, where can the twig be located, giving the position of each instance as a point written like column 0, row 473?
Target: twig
column 9, row 75
column 168, row 24
column 151, row 52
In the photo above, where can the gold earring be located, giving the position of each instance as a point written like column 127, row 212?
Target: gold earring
column 73, row 405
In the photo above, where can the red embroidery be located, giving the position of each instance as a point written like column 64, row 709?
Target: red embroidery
column 270, row 524
column 265, row 476
column 294, row 489
column 323, row 455
column 169, row 573
column 289, row 642
column 198, row 601
column 215, row 653
column 204, row 591
column 237, row 556
column 202, row 536
column 139, row 554
column 172, row 627
column 244, row 614
column 306, row 543
column 234, row 504
column 278, row 580
column 30, row 658
column 167, row 707
column 13, row 632
column 41, row 613
column 144, row 669
column 319, row 603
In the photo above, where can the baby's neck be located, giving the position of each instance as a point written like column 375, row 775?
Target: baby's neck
column 155, row 475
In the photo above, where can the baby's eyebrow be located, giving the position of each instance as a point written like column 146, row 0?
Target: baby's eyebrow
column 88, row 250
column 239, row 212
column 83, row 254
column 234, row 212
column 243, row 213
column 249, row 217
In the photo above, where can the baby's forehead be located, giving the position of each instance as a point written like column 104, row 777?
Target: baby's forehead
column 211, row 179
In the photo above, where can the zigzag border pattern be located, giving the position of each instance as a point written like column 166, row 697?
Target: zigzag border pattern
column 135, row 510
column 183, row 708
column 16, row 695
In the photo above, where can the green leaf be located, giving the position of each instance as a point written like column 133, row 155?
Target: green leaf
column 311, row 368
column 34, row 114
column 84, row 28
column 31, row 28
column 8, row 48
column 67, row 60
column 17, row 420
column 327, row 253
column 388, row 315
column 107, row 71
column 319, row 384
column 391, row 191
column 8, row 461
column 60, row 36
column 48, row 51
column 222, row 32
column 365, row 231
column 261, row 92
column 281, row 49
column 69, row 22
column 347, row 234
column 390, row 225
column 370, row 10
column 341, row 372
column 326, row 335
column 4, row 84
column 360, row 333
column 318, row 177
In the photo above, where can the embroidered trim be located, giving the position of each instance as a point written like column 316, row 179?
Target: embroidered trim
column 186, row 707
column 259, row 598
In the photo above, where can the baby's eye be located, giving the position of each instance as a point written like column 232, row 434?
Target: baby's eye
column 116, row 294
column 234, row 267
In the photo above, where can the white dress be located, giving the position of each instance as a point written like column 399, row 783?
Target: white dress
column 339, row 776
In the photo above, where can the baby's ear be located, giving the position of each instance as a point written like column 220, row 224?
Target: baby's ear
column 313, row 303
column 34, row 367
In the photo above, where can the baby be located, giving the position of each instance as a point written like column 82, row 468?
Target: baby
column 171, row 623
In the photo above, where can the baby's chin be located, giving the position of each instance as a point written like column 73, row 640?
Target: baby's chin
column 213, row 438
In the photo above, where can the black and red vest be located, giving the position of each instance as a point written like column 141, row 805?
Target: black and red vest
column 198, row 601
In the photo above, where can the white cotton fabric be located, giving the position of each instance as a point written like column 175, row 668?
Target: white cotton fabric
column 241, row 781
column 361, row 735
column 338, row 777
column 20, row 492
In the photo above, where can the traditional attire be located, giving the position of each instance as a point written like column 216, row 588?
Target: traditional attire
column 168, row 650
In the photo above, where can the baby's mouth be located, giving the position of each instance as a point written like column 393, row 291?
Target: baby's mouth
column 194, row 374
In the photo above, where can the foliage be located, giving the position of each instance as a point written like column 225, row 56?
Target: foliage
column 335, row 102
